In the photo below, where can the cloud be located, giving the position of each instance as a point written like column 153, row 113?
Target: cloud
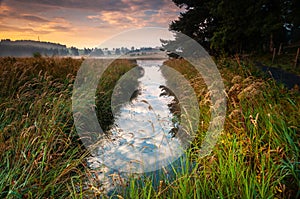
column 59, row 28
column 8, row 12
column 111, row 5
column 12, row 18
column 9, row 28
column 122, row 13
column 126, row 6
column 139, row 5
column 137, row 17
column 119, row 19
column 81, row 20
column 34, row 18
column 27, row 30
column 150, row 12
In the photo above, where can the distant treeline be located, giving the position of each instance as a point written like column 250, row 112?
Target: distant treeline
column 29, row 48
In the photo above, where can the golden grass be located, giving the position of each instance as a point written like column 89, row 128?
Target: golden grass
column 40, row 152
column 41, row 156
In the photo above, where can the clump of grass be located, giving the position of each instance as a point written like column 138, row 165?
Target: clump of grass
column 39, row 150
column 40, row 153
column 200, row 88
column 106, row 87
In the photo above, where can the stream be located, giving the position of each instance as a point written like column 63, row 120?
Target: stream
column 143, row 138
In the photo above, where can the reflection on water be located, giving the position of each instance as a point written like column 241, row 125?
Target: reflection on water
column 147, row 131
column 143, row 135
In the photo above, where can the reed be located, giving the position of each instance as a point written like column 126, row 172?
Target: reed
column 41, row 155
column 257, row 154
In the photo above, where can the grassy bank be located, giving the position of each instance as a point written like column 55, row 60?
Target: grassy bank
column 40, row 154
column 257, row 155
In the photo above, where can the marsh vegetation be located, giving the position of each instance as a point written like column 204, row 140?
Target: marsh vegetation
column 257, row 154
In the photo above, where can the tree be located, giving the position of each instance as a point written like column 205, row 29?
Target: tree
column 236, row 26
column 74, row 51
column 197, row 22
column 87, row 51
column 37, row 55
column 97, row 52
column 117, row 51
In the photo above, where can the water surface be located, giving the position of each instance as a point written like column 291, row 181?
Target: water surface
column 142, row 137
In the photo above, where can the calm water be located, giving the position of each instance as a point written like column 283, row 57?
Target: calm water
column 143, row 137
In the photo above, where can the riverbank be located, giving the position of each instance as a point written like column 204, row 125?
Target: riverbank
column 40, row 152
column 257, row 154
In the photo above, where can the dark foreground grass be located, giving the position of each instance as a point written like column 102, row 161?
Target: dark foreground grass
column 257, row 155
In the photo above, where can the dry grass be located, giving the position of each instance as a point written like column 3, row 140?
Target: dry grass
column 40, row 154
column 257, row 155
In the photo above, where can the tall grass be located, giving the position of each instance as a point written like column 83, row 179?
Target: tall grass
column 105, row 91
column 257, row 155
column 40, row 154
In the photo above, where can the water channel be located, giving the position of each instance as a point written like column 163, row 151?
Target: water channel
column 146, row 135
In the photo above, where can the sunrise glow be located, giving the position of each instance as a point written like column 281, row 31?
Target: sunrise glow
column 80, row 23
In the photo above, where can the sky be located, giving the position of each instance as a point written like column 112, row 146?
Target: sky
column 81, row 23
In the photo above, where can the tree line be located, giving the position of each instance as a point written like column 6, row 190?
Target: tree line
column 28, row 48
column 239, row 26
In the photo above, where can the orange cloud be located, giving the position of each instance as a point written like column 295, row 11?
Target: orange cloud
column 74, row 22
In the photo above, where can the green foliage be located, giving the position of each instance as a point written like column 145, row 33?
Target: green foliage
column 105, row 90
column 39, row 150
column 41, row 155
column 237, row 26
column 37, row 55
column 257, row 155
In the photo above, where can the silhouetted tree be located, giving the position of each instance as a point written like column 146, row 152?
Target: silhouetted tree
column 235, row 26
column 97, row 52
column 74, row 51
